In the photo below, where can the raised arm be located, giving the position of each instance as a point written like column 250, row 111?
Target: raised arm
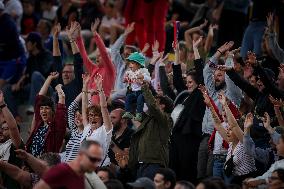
column 19, row 175
column 56, row 49
column 277, row 105
column 189, row 32
column 151, row 103
column 177, row 72
column 86, row 78
column 164, row 82
column 212, row 63
column 75, row 32
column 36, row 164
column 115, row 49
column 231, row 119
column 102, row 48
column 214, row 111
column 103, row 104
column 209, row 38
column 61, row 95
column 11, row 122
column 71, row 111
column 50, row 78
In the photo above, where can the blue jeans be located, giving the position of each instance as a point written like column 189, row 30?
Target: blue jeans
column 28, row 92
column 253, row 38
column 148, row 170
column 132, row 97
column 218, row 166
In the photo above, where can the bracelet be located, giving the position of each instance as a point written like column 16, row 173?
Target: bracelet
column 219, row 51
column 85, row 92
column 72, row 41
column 3, row 106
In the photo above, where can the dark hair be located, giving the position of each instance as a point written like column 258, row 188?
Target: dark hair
column 113, row 184
column 186, row 184
column 131, row 47
column 47, row 23
column 51, row 158
column 46, row 101
column 111, row 175
column 169, row 176
column 280, row 173
column 167, row 101
column 193, row 75
column 213, row 183
column 233, row 186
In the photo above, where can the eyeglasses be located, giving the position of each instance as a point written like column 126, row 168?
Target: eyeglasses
column 93, row 159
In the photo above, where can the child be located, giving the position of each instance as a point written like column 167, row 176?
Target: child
column 135, row 77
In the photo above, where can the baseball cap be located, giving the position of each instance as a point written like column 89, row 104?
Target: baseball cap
column 143, row 182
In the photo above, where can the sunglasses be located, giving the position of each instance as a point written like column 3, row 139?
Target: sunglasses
column 93, row 159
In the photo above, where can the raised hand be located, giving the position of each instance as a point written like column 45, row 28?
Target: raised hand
column 56, row 30
column 74, row 31
column 213, row 26
column 22, row 154
column 251, row 59
column 1, row 98
column 204, row 24
column 277, row 103
column 99, row 80
column 129, row 28
column 270, row 21
column 225, row 47
column 145, row 48
column 95, row 25
column 86, row 78
column 266, row 121
column 205, row 94
column 195, row 44
column 222, row 98
column 224, row 68
column 53, row 75
column 248, row 121
column 155, row 46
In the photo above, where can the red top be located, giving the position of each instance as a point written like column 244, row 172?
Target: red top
column 56, row 127
column 63, row 176
column 106, row 70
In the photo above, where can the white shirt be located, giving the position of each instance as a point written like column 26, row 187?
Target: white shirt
column 101, row 136
column 243, row 162
column 133, row 76
column 218, row 142
column 5, row 150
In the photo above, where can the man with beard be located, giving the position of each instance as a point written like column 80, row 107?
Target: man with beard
column 71, row 175
column 215, row 81
column 121, row 134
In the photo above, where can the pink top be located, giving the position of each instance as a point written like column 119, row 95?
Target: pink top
column 106, row 69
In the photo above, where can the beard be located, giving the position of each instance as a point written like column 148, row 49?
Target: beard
column 220, row 86
column 116, row 127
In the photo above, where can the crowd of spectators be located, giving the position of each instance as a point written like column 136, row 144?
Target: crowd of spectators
column 153, row 94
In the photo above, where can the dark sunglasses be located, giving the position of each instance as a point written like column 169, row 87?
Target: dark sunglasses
column 93, row 159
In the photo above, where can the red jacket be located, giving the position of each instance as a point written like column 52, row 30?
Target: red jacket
column 106, row 70
column 56, row 127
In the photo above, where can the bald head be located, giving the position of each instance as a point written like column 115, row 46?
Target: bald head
column 116, row 118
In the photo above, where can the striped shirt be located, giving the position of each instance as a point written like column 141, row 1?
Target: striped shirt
column 243, row 162
column 73, row 145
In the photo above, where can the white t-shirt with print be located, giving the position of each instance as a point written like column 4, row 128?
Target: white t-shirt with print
column 101, row 136
column 5, row 150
